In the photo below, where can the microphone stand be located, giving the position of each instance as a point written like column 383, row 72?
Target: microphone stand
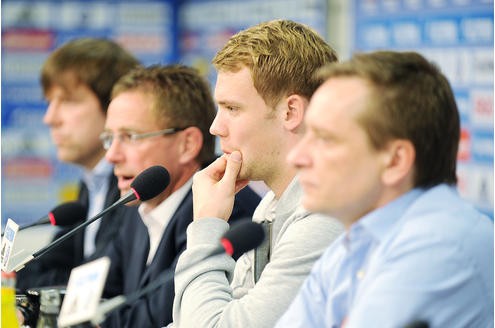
column 127, row 198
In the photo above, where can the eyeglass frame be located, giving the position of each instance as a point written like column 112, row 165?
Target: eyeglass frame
column 107, row 138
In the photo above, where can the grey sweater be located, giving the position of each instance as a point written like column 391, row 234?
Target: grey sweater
column 218, row 292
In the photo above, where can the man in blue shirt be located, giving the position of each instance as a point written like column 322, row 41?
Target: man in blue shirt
column 77, row 80
column 379, row 153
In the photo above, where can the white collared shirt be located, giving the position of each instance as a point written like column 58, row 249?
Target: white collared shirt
column 157, row 219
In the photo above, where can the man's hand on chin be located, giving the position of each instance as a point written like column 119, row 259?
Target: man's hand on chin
column 214, row 187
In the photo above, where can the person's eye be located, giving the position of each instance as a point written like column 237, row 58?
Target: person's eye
column 232, row 108
column 322, row 138
column 105, row 136
column 128, row 136
column 69, row 99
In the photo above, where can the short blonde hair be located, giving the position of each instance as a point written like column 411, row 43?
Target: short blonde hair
column 282, row 56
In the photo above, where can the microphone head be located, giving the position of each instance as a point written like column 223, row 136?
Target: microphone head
column 242, row 237
column 151, row 182
column 68, row 214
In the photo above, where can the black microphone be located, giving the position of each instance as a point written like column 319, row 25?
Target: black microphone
column 242, row 237
column 147, row 185
column 64, row 215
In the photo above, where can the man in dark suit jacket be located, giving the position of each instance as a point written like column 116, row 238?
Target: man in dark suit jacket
column 158, row 115
column 129, row 272
column 77, row 80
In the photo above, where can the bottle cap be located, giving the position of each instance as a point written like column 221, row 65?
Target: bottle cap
column 8, row 274
column 50, row 301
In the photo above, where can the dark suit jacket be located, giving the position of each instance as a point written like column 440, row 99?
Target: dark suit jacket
column 54, row 267
column 129, row 272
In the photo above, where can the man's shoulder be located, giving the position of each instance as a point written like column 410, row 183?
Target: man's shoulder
column 313, row 225
column 442, row 213
column 446, row 229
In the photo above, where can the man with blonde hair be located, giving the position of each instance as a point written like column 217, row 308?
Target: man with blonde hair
column 265, row 80
column 159, row 115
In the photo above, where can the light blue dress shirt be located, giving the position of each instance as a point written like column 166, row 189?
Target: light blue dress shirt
column 426, row 256
column 97, row 181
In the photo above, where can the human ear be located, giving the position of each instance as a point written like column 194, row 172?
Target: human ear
column 399, row 159
column 191, row 142
column 294, row 114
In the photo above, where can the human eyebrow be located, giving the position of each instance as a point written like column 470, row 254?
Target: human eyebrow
column 123, row 130
column 322, row 133
column 229, row 103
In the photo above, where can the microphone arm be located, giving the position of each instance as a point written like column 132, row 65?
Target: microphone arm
column 242, row 237
column 41, row 221
column 147, row 185
column 26, row 226
column 64, row 215
column 119, row 301
column 36, row 223
column 131, row 195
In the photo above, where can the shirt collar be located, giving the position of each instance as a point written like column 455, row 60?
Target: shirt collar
column 164, row 211
column 379, row 222
column 97, row 176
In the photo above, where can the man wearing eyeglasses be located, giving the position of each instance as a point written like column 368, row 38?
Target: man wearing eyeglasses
column 158, row 115
column 77, row 80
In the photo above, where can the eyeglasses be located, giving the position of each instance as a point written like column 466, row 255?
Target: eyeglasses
column 131, row 137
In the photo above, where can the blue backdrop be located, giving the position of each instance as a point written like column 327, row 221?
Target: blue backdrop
column 33, row 181
column 458, row 36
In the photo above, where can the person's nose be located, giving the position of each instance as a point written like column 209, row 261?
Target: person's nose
column 52, row 114
column 115, row 152
column 299, row 156
column 217, row 127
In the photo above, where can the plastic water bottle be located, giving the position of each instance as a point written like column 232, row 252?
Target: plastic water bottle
column 49, row 308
